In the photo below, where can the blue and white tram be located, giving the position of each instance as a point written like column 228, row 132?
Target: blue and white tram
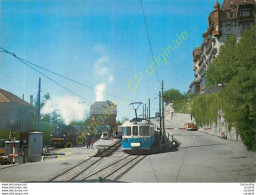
column 138, row 135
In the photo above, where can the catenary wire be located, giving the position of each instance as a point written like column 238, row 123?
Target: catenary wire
column 151, row 50
column 72, row 92
column 21, row 59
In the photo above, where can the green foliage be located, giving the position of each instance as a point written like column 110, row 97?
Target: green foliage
column 116, row 126
column 85, row 122
column 223, row 67
column 236, row 66
column 181, row 106
column 180, row 101
column 205, row 109
column 173, row 94
column 48, row 122
column 4, row 134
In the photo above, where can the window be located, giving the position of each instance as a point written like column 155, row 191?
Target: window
column 144, row 131
column 204, row 82
column 216, row 27
column 245, row 13
column 228, row 14
column 127, row 131
column 135, row 130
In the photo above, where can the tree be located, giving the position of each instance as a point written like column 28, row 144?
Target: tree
column 115, row 128
column 173, row 94
column 239, row 96
column 85, row 122
column 236, row 66
column 223, row 68
column 48, row 122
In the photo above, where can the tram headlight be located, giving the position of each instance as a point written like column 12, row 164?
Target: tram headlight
column 64, row 135
column 51, row 135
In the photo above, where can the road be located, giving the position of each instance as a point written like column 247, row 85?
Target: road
column 201, row 158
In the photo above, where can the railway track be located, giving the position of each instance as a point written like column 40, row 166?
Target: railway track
column 114, row 171
column 85, row 166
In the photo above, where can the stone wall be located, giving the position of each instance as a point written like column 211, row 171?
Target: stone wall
column 221, row 129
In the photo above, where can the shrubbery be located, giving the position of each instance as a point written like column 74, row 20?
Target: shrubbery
column 236, row 67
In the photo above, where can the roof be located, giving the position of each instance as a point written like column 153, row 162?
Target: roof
column 100, row 106
column 7, row 97
column 227, row 4
column 217, row 5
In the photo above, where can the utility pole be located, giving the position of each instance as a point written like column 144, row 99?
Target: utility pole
column 160, row 114
column 22, row 115
column 38, row 109
column 149, row 109
column 143, row 112
column 147, row 112
column 162, row 99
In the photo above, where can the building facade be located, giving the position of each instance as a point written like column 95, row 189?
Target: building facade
column 103, row 113
column 233, row 17
column 15, row 115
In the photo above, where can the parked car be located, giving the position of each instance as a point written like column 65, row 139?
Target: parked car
column 190, row 127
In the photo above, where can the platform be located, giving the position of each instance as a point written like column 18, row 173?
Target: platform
column 101, row 143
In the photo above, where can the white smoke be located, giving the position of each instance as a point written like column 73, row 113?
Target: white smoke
column 99, row 90
column 102, row 72
column 69, row 107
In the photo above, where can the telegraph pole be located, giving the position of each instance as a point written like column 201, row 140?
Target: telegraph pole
column 143, row 111
column 160, row 114
column 38, row 109
column 149, row 109
column 22, row 116
column 162, row 98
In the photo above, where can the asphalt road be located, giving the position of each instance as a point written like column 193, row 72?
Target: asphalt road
column 201, row 158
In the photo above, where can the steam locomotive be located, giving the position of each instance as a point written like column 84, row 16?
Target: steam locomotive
column 64, row 134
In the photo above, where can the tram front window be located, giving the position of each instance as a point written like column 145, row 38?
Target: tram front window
column 144, row 131
column 135, row 130
column 127, row 131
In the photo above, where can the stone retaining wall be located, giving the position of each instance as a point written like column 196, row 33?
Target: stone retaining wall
column 221, row 129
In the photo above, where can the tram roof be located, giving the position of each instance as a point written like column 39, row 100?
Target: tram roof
column 138, row 122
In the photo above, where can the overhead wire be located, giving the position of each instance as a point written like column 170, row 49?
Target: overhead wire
column 69, row 79
column 27, row 63
column 151, row 50
column 57, row 83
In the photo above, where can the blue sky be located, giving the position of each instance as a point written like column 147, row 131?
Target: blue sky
column 101, row 43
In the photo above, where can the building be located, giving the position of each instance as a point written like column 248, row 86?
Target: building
column 103, row 113
column 13, row 112
column 233, row 17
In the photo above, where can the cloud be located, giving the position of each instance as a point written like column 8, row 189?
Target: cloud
column 100, row 89
column 110, row 78
column 69, row 107
column 102, row 71
column 100, row 49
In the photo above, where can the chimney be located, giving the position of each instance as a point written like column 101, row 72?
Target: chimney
column 31, row 100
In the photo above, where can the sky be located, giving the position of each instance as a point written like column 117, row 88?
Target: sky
column 102, row 44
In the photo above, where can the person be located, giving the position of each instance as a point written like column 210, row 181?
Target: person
column 89, row 142
column 92, row 142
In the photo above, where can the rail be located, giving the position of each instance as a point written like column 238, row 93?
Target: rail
column 74, row 172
